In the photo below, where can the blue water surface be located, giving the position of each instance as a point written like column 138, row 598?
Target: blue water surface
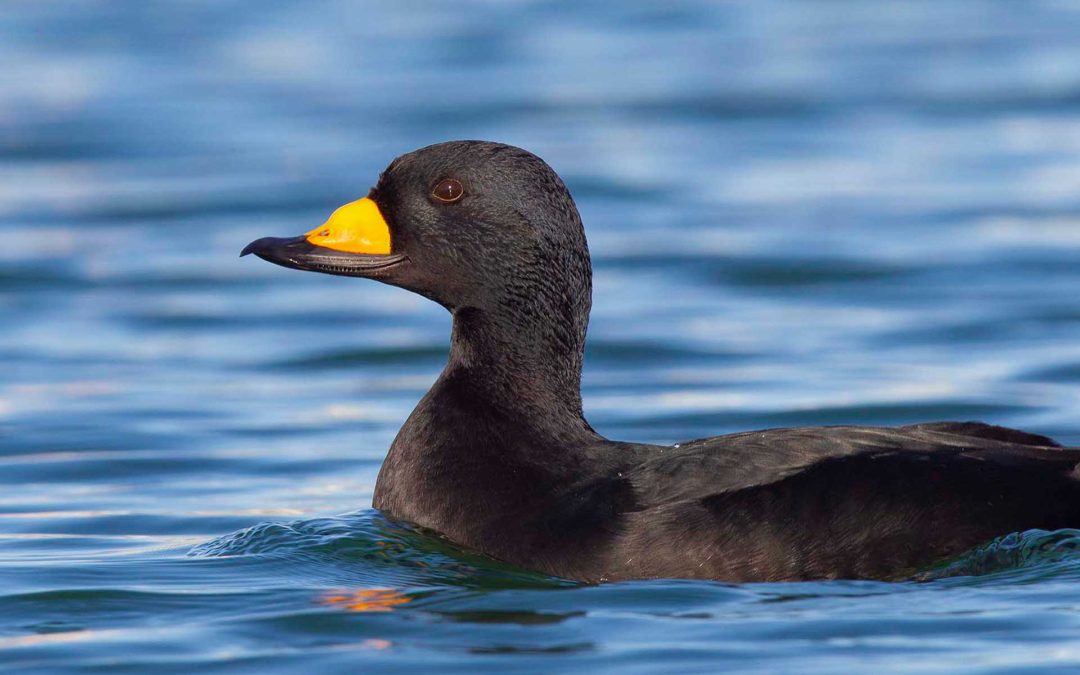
column 818, row 212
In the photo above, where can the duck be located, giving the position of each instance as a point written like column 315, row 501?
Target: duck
column 498, row 458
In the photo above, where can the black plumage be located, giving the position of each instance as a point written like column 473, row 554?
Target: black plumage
column 498, row 457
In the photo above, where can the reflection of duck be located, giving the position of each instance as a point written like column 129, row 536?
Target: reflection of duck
column 498, row 457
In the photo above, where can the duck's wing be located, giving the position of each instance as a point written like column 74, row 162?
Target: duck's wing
column 988, row 431
column 708, row 467
column 849, row 502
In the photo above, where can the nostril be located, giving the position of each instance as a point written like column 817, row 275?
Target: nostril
column 324, row 233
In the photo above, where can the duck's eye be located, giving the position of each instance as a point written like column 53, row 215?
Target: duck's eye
column 448, row 190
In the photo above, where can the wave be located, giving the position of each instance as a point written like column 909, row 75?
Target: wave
column 384, row 548
column 1017, row 551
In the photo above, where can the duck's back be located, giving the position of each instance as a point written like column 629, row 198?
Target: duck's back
column 848, row 502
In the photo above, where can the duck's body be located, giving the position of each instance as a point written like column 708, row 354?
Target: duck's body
column 777, row 504
column 498, row 458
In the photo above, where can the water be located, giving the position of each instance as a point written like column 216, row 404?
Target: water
column 800, row 213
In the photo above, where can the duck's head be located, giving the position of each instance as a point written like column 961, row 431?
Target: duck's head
column 469, row 224
column 490, row 232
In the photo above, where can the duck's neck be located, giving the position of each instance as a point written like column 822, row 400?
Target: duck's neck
column 528, row 367
column 497, row 436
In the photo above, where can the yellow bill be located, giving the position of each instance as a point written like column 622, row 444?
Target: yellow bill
column 357, row 227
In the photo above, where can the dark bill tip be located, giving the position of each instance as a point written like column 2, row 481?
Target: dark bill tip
column 276, row 249
column 255, row 246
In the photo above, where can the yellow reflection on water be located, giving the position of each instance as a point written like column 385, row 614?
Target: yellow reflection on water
column 366, row 600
